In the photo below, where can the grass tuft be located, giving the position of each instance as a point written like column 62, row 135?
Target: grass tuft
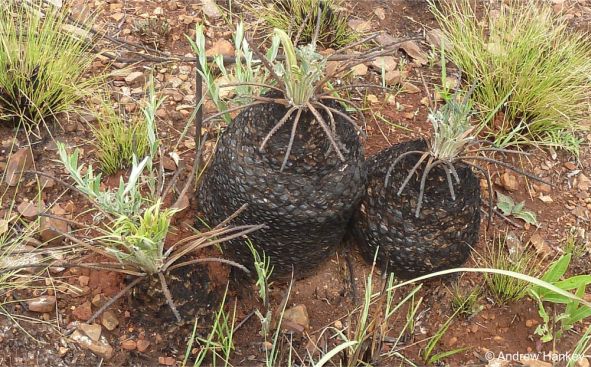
column 505, row 289
column 296, row 15
column 528, row 54
column 42, row 63
column 118, row 141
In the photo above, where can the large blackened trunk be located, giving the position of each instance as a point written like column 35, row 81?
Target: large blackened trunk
column 306, row 207
column 443, row 234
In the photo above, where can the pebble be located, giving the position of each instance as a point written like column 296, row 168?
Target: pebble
column 48, row 230
column 135, row 79
column 531, row 323
column 83, row 312
column 101, row 347
column 42, row 304
column 31, row 209
column 17, row 163
column 128, row 344
column 143, row 345
column 109, row 320
column 167, row 361
column 93, row 331
column 298, row 315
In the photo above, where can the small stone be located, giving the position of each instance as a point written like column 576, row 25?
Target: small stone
column 101, row 348
column 109, row 320
column 298, row 315
column 509, row 181
column 168, row 163
column 62, row 351
column 221, row 47
column 393, row 77
column 410, row 88
column 452, row 341
column 83, row 312
column 360, row 26
column 388, row 63
column 359, row 70
column 93, row 331
column 43, row 304
column 540, row 245
column 167, row 361
column 143, row 345
column 583, row 182
column 371, row 98
column 380, row 13
column 83, row 280
column 135, row 79
column 474, row 328
column 436, row 37
column 542, row 187
column 17, row 163
column 582, row 362
column 531, row 323
column 267, row 345
column 338, row 324
column 570, row 166
column 30, row 210
column 117, row 16
column 128, row 344
column 529, row 362
column 210, row 9
column 545, row 198
column 498, row 338
column 99, row 300
column 50, row 228
column 413, row 50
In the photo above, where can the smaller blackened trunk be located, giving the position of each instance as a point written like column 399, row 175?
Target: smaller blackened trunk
column 443, row 234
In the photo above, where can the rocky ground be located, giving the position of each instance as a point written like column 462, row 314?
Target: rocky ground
column 49, row 328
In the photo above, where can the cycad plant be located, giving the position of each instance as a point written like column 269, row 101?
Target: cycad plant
column 295, row 156
column 422, row 208
column 42, row 63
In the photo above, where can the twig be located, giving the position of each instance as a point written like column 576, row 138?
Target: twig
column 121, row 293
column 210, row 259
column 244, row 320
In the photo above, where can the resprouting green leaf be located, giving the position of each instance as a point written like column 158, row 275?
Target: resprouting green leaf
column 505, row 203
column 527, row 216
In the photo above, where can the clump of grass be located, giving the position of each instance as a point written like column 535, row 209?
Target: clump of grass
column 301, row 16
column 506, row 289
column 42, row 63
column 528, row 56
column 117, row 140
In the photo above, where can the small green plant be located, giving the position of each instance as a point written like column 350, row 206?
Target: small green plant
column 428, row 355
column 582, row 348
column 527, row 53
column 301, row 18
column 139, row 239
column 117, row 140
column 264, row 269
column 126, row 200
column 554, row 326
column 509, row 208
column 152, row 31
column 505, row 289
column 220, row 340
column 246, row 77
column 464, row 301
column 42, row 62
